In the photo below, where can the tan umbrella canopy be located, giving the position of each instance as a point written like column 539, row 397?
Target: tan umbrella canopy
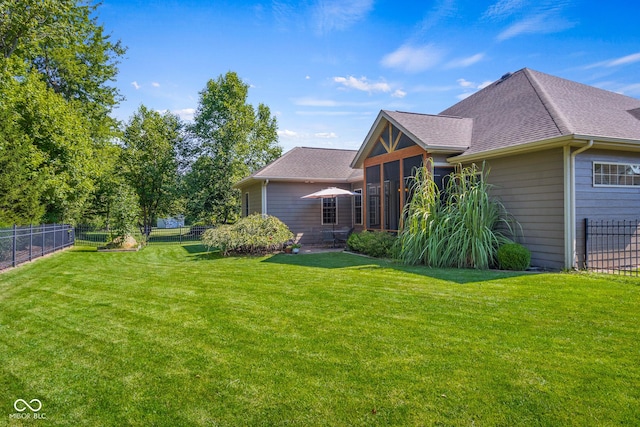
column 328, row 193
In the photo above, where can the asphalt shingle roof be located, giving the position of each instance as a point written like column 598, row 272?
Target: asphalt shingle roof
column 519, row 108
column 304, row 163
column 435, row 131
column 529, row 106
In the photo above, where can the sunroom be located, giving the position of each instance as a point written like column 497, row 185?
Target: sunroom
column 396, row 145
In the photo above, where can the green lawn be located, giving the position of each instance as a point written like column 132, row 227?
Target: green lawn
column 172, row 336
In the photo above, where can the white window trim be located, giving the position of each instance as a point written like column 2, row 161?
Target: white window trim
column 593, row 174
column 322, row 212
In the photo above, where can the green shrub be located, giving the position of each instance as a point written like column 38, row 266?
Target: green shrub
column 373, row 243
column 253, row 234
column 513, row 256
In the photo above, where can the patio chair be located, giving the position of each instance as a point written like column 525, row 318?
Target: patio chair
column 328, row 237
column 341, row 236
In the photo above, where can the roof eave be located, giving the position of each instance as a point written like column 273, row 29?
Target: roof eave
column 600, row 142
column 253, row 179
column 516, row 149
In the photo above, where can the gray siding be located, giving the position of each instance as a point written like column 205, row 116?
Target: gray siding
column 304, row 216
column 602, row 203
column 531, row 187
column 255, row 198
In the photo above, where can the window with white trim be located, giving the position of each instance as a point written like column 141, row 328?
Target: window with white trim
column 616, row 174
column 329, row 210
column 357, row 207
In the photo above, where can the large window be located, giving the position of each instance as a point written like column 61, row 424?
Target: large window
column 373, row 196
column 357, row 207
column 329, row 210
column 391, row 173
column 616, row 174
column 389, row 168
column 409, row 167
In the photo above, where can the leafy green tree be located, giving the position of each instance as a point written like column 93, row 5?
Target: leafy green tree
column 151, row 142
column 62, row 41
column 20, row 183
column 56, row 73
column 232, row 139
column 123, row 212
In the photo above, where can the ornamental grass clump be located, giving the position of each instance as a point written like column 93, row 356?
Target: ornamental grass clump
column 253, row 234
column 459, row 227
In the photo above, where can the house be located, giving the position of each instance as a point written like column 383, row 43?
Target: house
column 558, row 152
column 171, row 222
column 277, row 190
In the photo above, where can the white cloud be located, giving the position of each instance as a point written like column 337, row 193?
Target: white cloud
column 362, row 84
column 503, row 9
column 470, row 87
column 312, row 102
column 329, row 15
column 632, row 89
column 466, row 62
column 399, row 94
column 135, row 85
column 442, row 10
column 185, row 113
column 465, row 83
column 287, row 133
column 155, row 84
column 536, row 24
column 629, row 59
column 413, row 59
column 307, row 78
column 625, row 60
column 326, row 135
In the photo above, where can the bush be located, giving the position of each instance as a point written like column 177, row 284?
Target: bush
column 250, row 235
column 513, row 256
column 373, row 243
column 460, row 226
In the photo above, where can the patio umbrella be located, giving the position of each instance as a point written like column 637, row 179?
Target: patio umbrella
column 329, row 193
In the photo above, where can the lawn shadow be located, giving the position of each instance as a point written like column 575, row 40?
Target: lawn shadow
column 196, row 248
column 336, row 260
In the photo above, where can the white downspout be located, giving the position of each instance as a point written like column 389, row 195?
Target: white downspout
column 570, row 233
column 264, row 198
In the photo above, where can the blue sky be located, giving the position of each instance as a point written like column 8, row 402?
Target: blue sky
column 326, row 68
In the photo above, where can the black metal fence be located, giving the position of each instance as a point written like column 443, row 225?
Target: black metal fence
column 97, row 237
column 22, row 244
column 612, row 246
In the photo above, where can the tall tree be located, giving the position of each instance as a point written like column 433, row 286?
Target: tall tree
column 233, row 140
column 151, row 143
column 56, row 73
column 62, row 41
